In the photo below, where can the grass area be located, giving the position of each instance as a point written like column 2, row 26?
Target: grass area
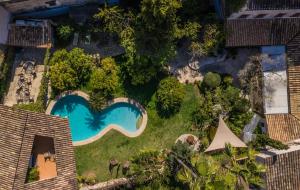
column 159, row 133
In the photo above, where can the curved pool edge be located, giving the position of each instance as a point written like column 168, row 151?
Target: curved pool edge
column 110, row 127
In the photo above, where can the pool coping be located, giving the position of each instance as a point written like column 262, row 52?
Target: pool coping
column 110, row 127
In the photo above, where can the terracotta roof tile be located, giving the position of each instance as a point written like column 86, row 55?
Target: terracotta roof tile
column 283, row 127
column 18, row 129
column 259, row 32
column 26, row 35
column 273, row 4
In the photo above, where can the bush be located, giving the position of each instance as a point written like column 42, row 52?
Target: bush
column 212, row 80
column 105, row 79
column 65, row 32
column 262, row 140
column 33, row 175
column 228, row 80
column 5, row 71
column 170, row 95
column 69, row 70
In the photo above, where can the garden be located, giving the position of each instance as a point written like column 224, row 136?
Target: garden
column 150, row 35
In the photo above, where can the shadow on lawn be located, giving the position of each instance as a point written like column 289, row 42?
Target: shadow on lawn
column 142, row 93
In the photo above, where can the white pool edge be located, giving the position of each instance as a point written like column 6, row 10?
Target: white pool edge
column 110, row 127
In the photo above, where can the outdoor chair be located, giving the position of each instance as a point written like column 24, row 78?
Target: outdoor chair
column 53, row 157
column 47, row 155
column 31, row 99
column 34, row 74
column 20, row 84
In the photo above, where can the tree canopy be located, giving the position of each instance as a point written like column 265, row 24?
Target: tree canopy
column 148, row 36
column 69, row 70
column 105, row 78
column 170, row 95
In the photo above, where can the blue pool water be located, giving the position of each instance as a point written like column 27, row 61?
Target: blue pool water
column 85, row 123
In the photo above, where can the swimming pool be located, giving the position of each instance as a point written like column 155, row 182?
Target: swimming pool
column 85, row 123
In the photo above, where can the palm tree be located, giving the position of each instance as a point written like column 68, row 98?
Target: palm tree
column 247, row 170
column 224, row 172
column 210, row 174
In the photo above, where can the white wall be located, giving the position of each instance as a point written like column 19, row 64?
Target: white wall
column 4, row 20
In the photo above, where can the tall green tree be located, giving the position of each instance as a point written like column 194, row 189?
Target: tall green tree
column 149, row 38
column 112, row 18
column 156, row 27
column 105, row 78
column 170, row 95
column 69, row 70
column 228, row 173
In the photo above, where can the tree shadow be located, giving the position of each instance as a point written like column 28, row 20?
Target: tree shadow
column 142, row 93
column 95, row 122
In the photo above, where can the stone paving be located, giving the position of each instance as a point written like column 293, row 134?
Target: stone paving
column 180, row 66
column 28, row 54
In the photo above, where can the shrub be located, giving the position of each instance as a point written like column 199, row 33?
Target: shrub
column 170, row 95
column 5, row 71
column 228, row 80
column 69, row 70
column 65, row 32
column 262, row 140
column 212, row 80
column 33, row 175
column 105, row 79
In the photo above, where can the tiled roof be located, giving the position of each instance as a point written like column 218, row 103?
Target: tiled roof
column 286, row 127
column 26, row 35
column 273, row 4
column 18, row 129
column 259, row 32
column 282, row 168
column 283, row 127
column 293, row 54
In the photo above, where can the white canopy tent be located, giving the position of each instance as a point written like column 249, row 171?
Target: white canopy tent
column 224, row 136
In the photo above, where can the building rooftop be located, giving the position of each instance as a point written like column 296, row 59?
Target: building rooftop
column 276, row 27
column 273, row 4
column 282, row 171
column 261, row 32
column 30, row 33
column 18, row 129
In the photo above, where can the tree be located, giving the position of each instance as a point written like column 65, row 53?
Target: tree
column 105, row 78
column 212, row 80
column 65, row 32
column 112, row 18
column 81, row 63
column 63, row 77
column 251, row 80
column 69, row 70
column 148, row 167
column 170, row 95
column 207, row 172
column 248, row 172
column 148, row 37
column 97, row 101
column 157, row 23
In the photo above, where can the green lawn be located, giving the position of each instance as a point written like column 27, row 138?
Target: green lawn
column 159, row 133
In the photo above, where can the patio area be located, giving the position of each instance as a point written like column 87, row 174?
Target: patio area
column 27, row 74
column 44, row 155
